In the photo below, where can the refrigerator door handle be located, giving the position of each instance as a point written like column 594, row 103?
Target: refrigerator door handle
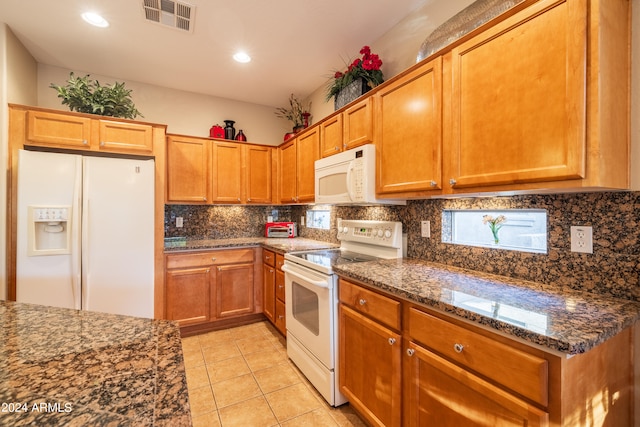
column 85, row 245
column 76, row 248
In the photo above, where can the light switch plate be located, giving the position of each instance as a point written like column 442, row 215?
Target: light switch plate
column 425, row 228
column 179, row 222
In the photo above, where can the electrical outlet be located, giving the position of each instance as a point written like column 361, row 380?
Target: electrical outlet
column 582, row 239
column 302, row 220
column 425, row 227
column 179, row 222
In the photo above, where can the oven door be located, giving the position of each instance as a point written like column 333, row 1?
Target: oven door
column 311, row 310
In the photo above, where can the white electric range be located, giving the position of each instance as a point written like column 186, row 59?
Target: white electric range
column 312, row 298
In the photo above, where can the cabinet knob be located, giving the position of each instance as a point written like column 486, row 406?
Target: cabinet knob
column 362, row 301
column 336, row 148
column 204, row 199
column 433, row 183
column 219, row 268
column 392, row 341
column 238, row 198
column 208, row 270
column 458, row 348
column 452, row 182
column 101, row 143
column 213, row 259
column 410, row 352
column 271, row 270
column 267, row 257
column 280, row 286
column 281, row 317
column 85, row 142
column 249, row 199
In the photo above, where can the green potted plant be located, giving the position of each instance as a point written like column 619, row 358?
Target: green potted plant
column 86, row 95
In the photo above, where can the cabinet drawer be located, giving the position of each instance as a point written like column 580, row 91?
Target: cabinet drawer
column 269, row 258
column 519, row 371
column 210, row 258
column 374, row 305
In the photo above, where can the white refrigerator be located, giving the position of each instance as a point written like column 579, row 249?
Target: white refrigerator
column 85, row 232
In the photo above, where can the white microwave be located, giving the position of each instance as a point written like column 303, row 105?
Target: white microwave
column 349, row 178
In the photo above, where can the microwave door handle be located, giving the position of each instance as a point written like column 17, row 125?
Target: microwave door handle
column 349, row 183
column 318, row 283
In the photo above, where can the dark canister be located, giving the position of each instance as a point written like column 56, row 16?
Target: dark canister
column 229, row 130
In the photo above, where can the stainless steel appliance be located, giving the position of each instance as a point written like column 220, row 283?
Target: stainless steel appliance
column 312, row 298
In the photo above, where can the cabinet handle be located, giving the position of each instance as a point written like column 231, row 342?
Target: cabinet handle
column 85, row 142
column 280, row 286
column 271, row 270
column 219, row 268
column 213, row 259
column 433, row 183
column 249, row 199
column 267, row 257
column 362, row 301
column 452, row 182
column 208, row 270
column 281, row 317
column 458, row 348
column 336, row 148
column 410, row 352
column 238, row 198
column 204, row 199
column 392, row 341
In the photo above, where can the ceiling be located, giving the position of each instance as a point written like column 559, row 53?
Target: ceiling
column 294, row 44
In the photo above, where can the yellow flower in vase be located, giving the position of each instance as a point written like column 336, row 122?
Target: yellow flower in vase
column 495, row 224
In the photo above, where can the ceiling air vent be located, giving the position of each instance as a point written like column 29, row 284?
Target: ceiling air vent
column 174, row 14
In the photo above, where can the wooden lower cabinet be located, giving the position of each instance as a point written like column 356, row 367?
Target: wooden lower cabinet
column 211, row 286
column 446, row 395
column 273, row 289
column 187, row 294
column 438, row 370
column 370, row 376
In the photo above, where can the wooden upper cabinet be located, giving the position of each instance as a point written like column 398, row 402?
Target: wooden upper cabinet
column 288, row 171
column 349, row 129
column 125, row 137
column 188, row 169
column 535, row 99
column 58, row 130
column 357, row 124
column 258, row 174
column 409, row 133
column 227, row 179
column 331, row 135
column 307, row 152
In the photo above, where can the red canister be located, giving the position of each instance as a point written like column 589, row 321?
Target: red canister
column 216, row 131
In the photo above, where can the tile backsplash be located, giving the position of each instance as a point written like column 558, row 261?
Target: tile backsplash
column 612, row 269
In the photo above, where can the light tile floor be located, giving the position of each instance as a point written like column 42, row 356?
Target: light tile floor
column 242, row 377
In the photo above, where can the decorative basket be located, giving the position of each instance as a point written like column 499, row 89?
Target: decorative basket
column 350, row 92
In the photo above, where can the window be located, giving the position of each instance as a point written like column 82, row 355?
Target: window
column 319, row 219
column 517, row 229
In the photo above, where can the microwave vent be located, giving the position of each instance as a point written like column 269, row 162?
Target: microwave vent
column 174, row 14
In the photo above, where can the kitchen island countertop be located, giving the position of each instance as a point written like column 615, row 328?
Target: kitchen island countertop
column 280, row 245
column 564, row 320
column 71, row 367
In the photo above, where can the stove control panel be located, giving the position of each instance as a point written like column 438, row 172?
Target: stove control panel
column 379, row 233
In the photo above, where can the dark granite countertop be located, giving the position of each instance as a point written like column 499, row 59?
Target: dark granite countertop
column 78, row 368
column 280, row 245
column 564, row 320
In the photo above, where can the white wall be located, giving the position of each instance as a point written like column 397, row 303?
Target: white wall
column 17, row 85
column 185, row 113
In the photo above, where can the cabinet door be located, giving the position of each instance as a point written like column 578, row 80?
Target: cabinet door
column 370, row 366
column 58, row 130
column 518, row 104
column 288, row 171
column 227, row 179
column 331, row 136
column 187, row 295
column 446, row 395
column 269, row 292
column 308, row 151
column 280, row 319
column 234, row 290
column 258, row 172
column 409, row 132
column 125, row 137
column 188, row 169
column 358, row 124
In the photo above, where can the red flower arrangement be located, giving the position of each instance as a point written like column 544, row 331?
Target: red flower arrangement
column 366, row 68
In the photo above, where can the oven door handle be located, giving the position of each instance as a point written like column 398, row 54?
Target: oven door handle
column 318, row 283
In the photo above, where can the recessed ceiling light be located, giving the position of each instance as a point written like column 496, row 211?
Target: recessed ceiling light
column 95, row 19
column 242, row 57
